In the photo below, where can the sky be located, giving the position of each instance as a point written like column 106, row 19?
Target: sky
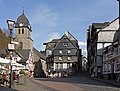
column 50, row 19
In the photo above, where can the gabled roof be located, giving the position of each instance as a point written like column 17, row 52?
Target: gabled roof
column 71, row 39
column 54, row 41
column 69, row 35
column 41, row 55
column 57, row 41
column 25, row 54
column 51, row 45
column 117, row 34
column 18, row 53
column 108, row 23
column 99, row 25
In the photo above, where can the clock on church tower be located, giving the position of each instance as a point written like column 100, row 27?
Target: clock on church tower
column 23, row 33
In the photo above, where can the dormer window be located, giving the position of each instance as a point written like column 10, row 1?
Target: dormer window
column 65, row 44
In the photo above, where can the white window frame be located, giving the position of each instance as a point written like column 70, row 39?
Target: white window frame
column 65, row 44
column 60, row 66
column 69, row 58
column 60, row 58
column 69, row 51
column 56, row 65
column 68, row 65
column 116, row 70
column 60, row 51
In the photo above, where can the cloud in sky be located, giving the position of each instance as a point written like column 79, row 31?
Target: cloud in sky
column 43, row 15
column 84, row 52
column 43, row 19
column 83, row 46
column 49, row 37
column 81, row 43
column 53, row 35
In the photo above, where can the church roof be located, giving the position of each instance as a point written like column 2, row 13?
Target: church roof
column 25, row 55
column 22, row 19
column 41, row 55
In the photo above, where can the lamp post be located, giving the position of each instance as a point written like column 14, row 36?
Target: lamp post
column 11, row 48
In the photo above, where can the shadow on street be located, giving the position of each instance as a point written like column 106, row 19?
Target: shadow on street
column 80, row 78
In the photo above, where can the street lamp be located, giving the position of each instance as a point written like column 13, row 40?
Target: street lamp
column 11, row 24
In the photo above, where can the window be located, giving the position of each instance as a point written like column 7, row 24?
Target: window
column 118, row 67
column 61, row 65
column 56, row 66
column 65, row 44
column 49, row 52
column 19, row 31
column 68, row 65
column 69, row 58
column 60, row 58
column 69, row 51
column 22, row 31
column 60, row 51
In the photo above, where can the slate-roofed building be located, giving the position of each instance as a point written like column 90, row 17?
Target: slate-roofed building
column 111, row 55
column 99, row 35
column 40, row 64
column 63, row 55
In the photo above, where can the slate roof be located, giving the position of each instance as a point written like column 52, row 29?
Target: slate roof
column 54, row 41
column 25, row 55
column 99, row 25
column 41, row 55
column 52, row 44
column 22, row 19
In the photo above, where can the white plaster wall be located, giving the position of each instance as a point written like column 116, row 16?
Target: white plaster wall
column 113, row 26
column 106, row 36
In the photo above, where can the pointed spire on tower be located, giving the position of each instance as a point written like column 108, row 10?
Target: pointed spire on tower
column 23, row 10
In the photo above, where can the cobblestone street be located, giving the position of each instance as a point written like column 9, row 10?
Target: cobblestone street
column 76, row 83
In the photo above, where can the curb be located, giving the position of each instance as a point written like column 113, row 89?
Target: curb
column 117, row 84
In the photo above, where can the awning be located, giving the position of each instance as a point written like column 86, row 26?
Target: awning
column 2, row 60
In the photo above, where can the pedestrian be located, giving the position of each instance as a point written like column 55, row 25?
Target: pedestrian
column 17, row 78
column 14, row 76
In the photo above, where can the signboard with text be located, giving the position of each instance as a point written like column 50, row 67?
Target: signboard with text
column 11, row 46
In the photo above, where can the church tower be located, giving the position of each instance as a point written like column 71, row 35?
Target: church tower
column 23, row 33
